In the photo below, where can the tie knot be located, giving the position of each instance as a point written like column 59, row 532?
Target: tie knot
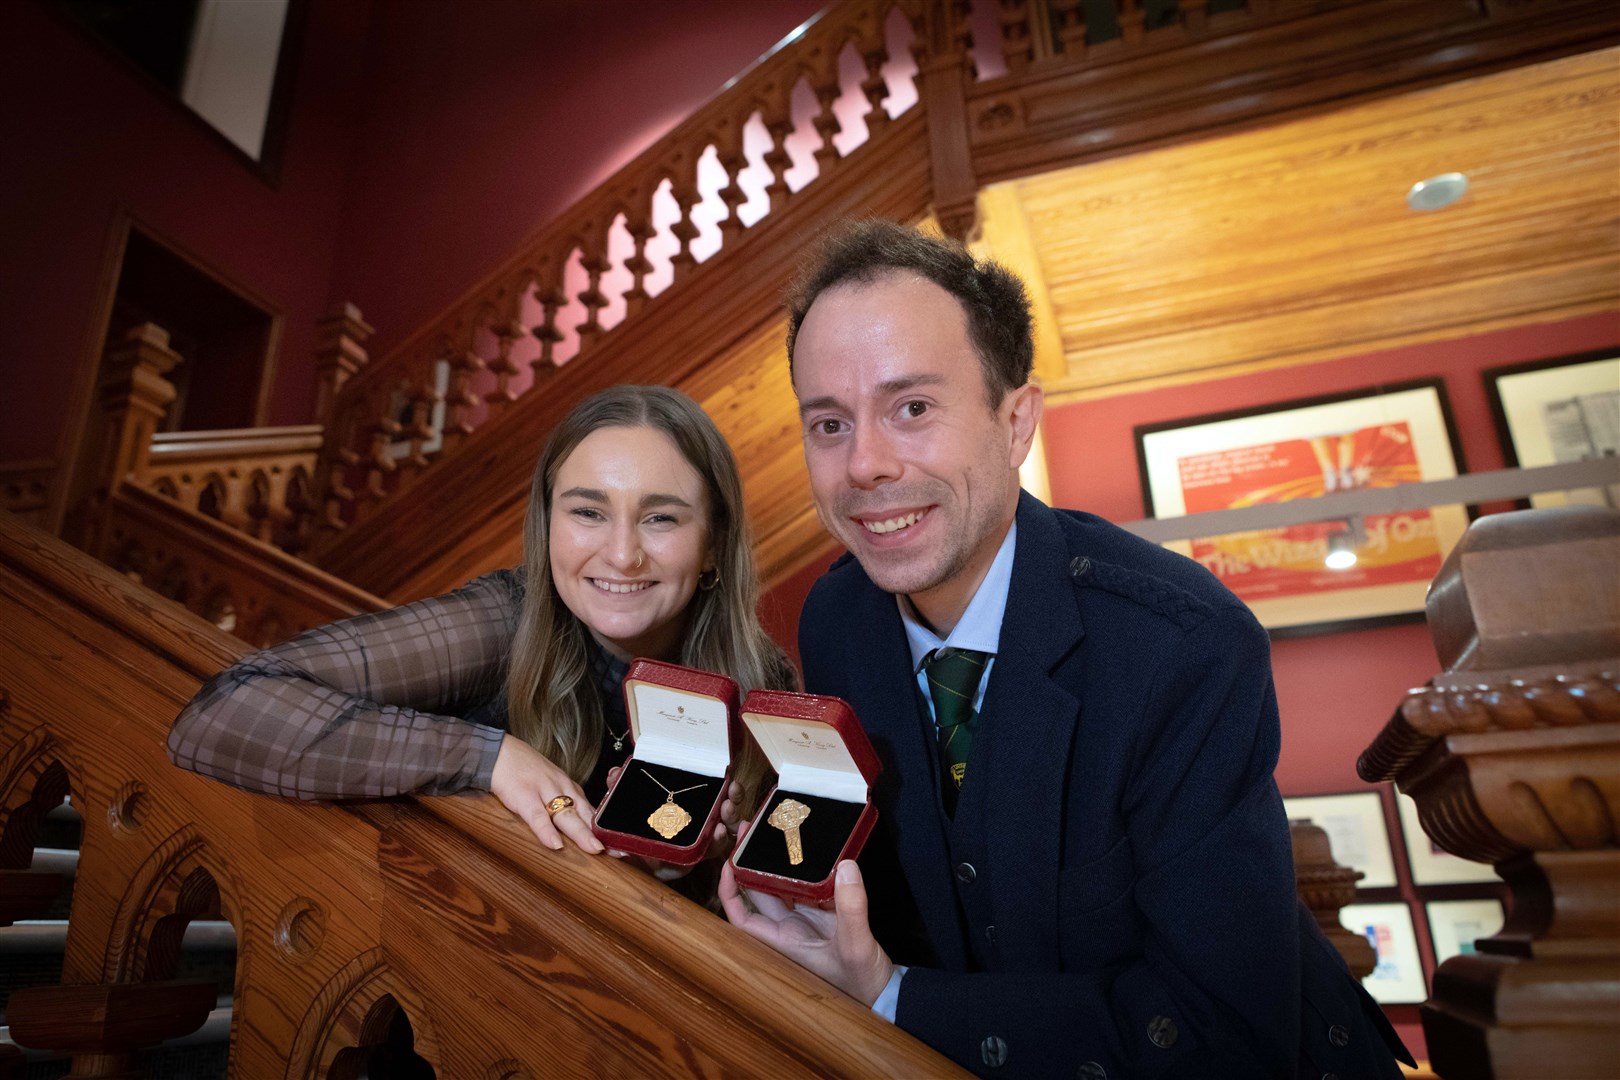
column 953, row 676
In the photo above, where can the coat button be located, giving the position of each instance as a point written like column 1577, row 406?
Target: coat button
column 1337, row 1035
column 993, row 1051
column 990, row 934
column 1330, row 1076
column 1090, row 1070
column 1079, row 567
column 1162, row 1030
column 965, row 873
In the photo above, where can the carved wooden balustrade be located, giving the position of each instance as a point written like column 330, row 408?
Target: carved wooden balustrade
column 505, row 959
column 194, row 515
column 1513, row 756
column 636, row 284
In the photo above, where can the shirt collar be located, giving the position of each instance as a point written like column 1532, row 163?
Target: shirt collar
column 979, row 628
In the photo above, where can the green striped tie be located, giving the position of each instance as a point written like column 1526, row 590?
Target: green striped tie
column 953, row 676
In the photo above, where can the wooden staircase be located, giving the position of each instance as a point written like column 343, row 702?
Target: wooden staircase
column 431, row 928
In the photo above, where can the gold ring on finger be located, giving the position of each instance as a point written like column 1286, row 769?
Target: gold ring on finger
column 559, row 804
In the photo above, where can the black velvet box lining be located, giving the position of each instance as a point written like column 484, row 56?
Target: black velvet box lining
column 823, row 835
column 635, row 797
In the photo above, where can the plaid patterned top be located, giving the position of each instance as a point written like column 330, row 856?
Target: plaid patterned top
column 412, row 699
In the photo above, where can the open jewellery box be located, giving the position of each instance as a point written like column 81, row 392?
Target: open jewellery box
column 667, row 798
column 825, row 769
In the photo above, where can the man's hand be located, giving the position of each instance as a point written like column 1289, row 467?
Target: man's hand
column 837, row 945
column 525, row 780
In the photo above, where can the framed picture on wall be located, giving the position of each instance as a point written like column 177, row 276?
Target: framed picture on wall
column 1378, row 437
column 1431, row 864
column 1554, row 411
column 1398, row 977
column 1356, row 829
column 1454, row 925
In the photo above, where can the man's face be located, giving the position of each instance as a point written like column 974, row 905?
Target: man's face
column 910, row 466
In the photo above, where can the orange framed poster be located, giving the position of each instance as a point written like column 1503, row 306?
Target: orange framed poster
column 1380, row 437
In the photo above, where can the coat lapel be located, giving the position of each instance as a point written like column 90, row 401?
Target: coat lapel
column 1030, row 734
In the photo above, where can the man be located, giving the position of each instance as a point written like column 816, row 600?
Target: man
column 1082, row 860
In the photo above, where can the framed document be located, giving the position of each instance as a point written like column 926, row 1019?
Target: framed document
column 1454, row 925
column 1398, row 977
column 1431, row 864
column 1556, row 411
column 1356, row 828
column 1379, row 437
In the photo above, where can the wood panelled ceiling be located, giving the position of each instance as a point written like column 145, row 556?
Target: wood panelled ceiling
column 1293, row 243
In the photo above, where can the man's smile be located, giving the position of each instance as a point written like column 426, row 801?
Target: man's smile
column 893, row 522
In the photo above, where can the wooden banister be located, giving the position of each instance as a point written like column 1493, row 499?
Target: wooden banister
column 1513, row 757
column 506, row 959
column 243, row 586
column 427, row 432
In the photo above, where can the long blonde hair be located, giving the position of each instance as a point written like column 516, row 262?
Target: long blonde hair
column 552, row 703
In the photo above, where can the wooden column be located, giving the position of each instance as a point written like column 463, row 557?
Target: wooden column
column 943, row 71
column 340, row 352
column 1513, row 756
column 133, row 397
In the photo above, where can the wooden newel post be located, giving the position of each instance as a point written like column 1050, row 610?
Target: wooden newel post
column 1325, row 887
column 1513, row 756
column 133, row 395
column 340, row 352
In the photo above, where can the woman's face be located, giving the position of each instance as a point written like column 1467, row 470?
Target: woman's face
column 629, row 537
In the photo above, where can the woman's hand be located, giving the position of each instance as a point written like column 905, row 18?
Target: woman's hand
column 525, row 780
column 724, row 835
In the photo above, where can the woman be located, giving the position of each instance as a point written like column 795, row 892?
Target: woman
column 634, row 545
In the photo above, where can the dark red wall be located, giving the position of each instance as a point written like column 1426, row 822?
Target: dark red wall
column 1335, row 691
column 85, row 135
column 426, row 141
column 481, row 129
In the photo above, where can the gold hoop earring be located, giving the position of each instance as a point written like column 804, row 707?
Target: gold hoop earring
column 713, row 579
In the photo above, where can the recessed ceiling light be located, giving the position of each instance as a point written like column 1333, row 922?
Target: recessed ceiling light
column 1437, row 191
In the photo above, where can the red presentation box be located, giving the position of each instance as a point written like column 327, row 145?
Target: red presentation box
column 825, row 768
column 667, row 798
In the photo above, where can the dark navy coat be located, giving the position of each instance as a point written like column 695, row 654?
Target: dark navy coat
column 1115, row 897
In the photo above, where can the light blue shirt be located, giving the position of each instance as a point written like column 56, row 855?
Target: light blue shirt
column 978, row 629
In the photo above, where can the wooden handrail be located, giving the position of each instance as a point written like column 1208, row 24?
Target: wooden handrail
column 500, row 953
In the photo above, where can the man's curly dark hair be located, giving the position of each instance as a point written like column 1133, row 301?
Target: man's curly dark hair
column 992, row 297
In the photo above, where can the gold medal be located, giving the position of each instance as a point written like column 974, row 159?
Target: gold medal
column 670, row 817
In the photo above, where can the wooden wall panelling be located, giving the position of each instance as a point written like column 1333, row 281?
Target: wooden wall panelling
column 1293, row 243
column 504, row 956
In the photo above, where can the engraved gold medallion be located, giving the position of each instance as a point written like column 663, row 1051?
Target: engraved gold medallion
column 788, row 816
column 669, row 819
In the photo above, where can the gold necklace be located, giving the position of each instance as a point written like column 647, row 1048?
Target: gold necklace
column 670, row 817
column 618, row 739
